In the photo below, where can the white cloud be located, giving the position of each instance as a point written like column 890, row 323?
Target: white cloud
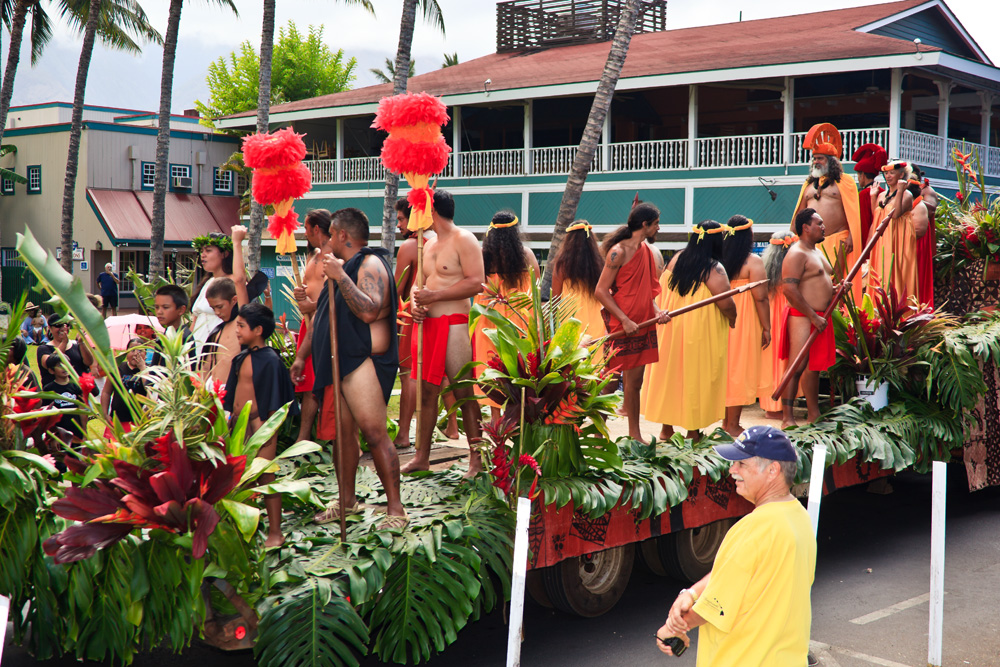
column 209, row 31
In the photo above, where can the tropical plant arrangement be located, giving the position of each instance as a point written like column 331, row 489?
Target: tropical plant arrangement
column 968, row 228
column 881, row 339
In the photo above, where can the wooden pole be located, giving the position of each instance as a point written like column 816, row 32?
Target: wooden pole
column 685, row 309
column 837, row 296
column 417, row 363
column 339, row 453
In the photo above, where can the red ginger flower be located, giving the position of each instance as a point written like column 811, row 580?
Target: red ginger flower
column 87, row 384
column 529, row 460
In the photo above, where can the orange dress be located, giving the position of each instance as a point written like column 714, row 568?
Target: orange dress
column 588, row 311
column 482, row 347
column 894, row 256
column 744, row 376
column 635, row 288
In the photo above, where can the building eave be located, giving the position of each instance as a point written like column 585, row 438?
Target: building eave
column 952, row 19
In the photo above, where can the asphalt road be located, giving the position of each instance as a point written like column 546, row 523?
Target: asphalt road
column 873, row 564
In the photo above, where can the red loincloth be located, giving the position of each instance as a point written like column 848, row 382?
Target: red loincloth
column 823, row 352
column 326, row 428
column 635, row 288
column 436, row 345
column 308, row 377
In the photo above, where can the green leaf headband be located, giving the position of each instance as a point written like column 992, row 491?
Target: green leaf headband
column 217, row 239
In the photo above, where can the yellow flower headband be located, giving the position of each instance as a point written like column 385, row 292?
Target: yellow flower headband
column 787, row 241
column 580, row 225
column 700, row 231
column 739, row 228
column 502, row 225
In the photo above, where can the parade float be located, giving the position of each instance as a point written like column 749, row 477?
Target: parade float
column 153, row 537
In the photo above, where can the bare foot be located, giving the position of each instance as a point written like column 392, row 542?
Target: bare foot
column 401, row 441
column 638, row 438
column 475, row 465
column 785, row 424
column 813, row 417
column 733, row 430
column 773, row 414
column 666, row 433
column 414, row 465
column 451, row 432
column 274, row 541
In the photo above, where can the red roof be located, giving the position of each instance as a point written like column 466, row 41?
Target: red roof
column 127, row 215
column 801, row 38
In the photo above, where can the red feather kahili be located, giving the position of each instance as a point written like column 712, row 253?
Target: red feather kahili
column 409, row 109
column 279, row 149
column 279, row 178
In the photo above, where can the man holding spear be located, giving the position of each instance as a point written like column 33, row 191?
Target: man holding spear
column 805, row 281
column 367, row 354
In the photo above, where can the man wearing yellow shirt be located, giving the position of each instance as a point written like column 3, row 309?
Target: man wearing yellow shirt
column 754, row 606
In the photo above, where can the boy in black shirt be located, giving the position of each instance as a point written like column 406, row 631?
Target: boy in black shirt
column 68, row 394
column 112, row 404
column 258, row 378
column 171, row 305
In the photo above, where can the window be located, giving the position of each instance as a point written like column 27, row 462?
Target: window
column 148, row 175
column 242, row 185
column 179, row 171
column 222, row 182
column 131, row 260
column 35, row 179
column 7, row 185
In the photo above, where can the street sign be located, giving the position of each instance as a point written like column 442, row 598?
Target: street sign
column 77, row 253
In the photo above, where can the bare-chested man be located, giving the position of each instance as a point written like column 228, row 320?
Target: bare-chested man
column 406, row 267
column 317, row 226
column 365, row 307
column 833, row 194
column 453, row 274
column 806, row 284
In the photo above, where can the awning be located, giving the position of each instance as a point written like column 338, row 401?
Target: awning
column 127, row 215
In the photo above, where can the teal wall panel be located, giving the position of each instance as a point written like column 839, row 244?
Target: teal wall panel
column 607, row 207
column 372, row 206
column 476, row 210
column 754, row 202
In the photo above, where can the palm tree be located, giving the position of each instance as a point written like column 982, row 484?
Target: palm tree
column 402, row 69
column 388, row 75
column 592, row 132
column 450, row 59
column 14, row 17
column 256, row 230
column 114, row 20
column 158, row 225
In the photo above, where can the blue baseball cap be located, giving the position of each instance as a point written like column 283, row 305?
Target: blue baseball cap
column 766, row 442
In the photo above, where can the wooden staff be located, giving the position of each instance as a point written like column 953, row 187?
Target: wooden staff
column 418, row 362
column 685, row 309
column 837, row 296
column 335, row 362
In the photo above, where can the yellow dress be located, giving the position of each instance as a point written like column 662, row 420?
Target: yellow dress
column 482, row 346
column 588, row 311
column 744, row 374
column 686, row 388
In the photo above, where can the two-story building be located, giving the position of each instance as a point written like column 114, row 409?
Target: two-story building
column 706, row 122
column 114, row 188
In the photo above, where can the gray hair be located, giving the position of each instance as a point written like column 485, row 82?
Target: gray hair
column 774, row 257
column 789, row 469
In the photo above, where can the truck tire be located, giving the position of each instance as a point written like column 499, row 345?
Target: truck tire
column 688, row 554
column 648, row 554
column 589, row 585
column 535, row 585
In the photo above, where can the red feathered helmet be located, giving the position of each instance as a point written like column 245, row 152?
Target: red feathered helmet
column 869, row 159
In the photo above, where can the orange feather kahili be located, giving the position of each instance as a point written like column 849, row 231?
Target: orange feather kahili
column 279, row 178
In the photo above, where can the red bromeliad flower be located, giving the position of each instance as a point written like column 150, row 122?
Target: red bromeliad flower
column 533, row 363
column 529, row 460
column 87, row 384
column 496, row 363
column 176, row 494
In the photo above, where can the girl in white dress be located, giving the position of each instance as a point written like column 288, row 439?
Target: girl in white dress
column 217, row 260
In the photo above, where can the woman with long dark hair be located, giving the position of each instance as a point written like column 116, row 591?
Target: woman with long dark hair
column 772, row 366
column 687, row 386
column 753, row 322
column 575, row 272
column 510, row 266
column 215, row 252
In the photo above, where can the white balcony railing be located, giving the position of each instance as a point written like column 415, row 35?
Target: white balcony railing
column 758, row 150
column 663, row 155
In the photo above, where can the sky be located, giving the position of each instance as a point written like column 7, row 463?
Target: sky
column 208, row 31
